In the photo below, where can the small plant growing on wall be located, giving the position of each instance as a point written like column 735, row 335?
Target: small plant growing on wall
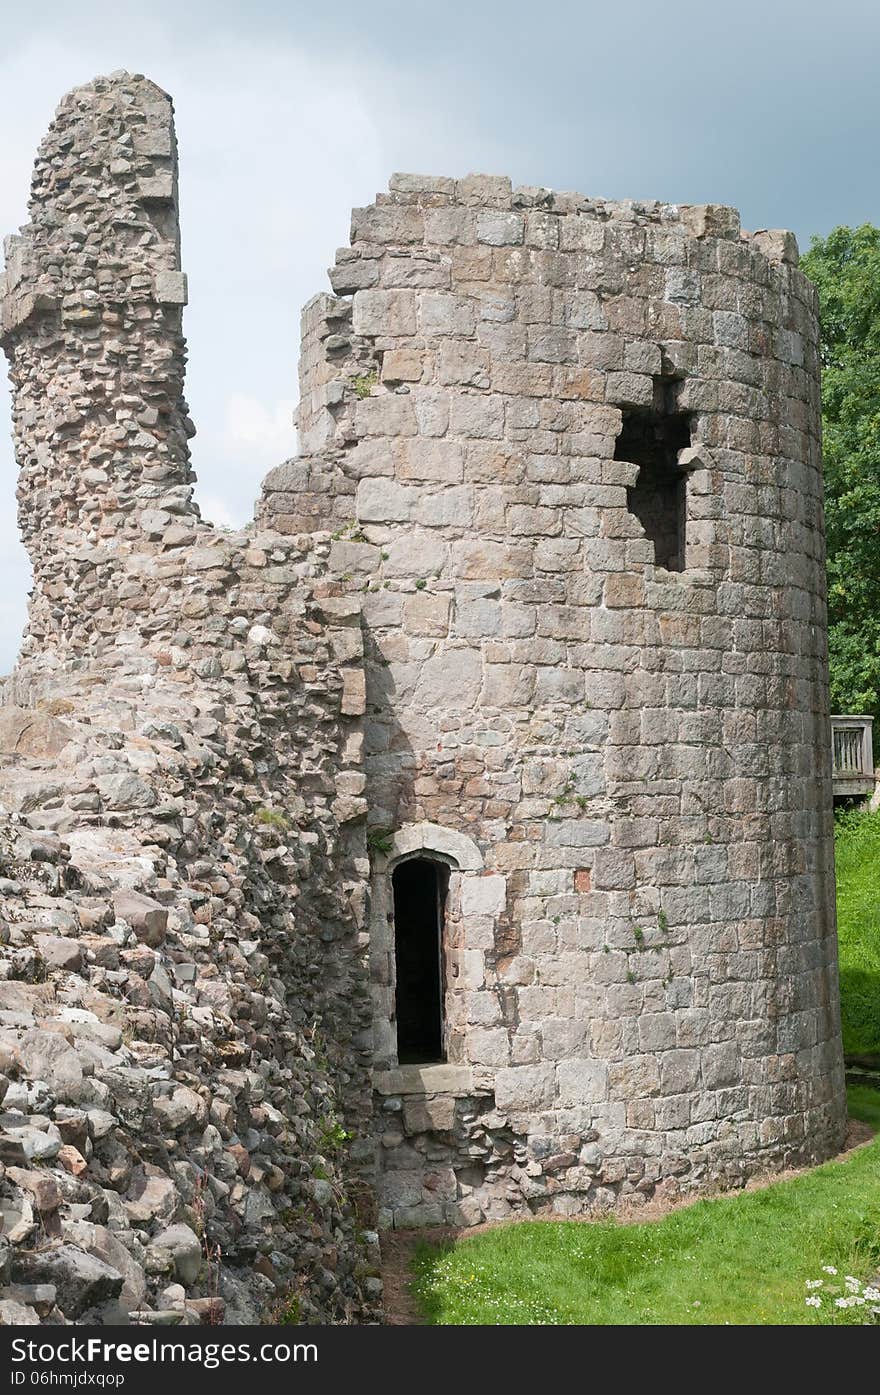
column 380, row 840
column 272, row 818
column 364, row 383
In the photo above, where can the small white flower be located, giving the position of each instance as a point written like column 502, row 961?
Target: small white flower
column 872, row 1294
column 818, row 1283
column 841, row 1302
column 815, row 1302
column 828, row 1269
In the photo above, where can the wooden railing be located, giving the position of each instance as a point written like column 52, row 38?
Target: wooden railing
column 853, row 755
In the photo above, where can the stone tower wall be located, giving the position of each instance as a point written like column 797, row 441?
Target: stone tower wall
column 640, row 951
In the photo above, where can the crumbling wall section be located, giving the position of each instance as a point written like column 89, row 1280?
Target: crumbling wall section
column 184, row 1010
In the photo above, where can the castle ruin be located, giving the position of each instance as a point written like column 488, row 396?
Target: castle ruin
column 454, row 842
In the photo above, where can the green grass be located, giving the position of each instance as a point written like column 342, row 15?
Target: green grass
column 742, row 1259
column 857, row 855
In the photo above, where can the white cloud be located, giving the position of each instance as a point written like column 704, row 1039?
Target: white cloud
column 215, row 511
column 268, row 430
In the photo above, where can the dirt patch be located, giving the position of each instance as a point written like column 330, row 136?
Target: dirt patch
column 398, row 1246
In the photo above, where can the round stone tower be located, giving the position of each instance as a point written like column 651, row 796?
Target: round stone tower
column 572, row 452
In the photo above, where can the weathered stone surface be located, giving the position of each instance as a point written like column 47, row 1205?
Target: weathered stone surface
column 542, row 602
column 147, row 918
column 60, row 953
column 644, row 713
column 183, row 1249
column 81, row 1280
column 28, row 733
column 48, row 1056
column 16, row 1314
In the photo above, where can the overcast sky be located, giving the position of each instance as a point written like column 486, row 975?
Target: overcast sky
column 288, row 114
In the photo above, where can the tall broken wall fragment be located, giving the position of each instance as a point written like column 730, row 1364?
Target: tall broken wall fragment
column 182, row 858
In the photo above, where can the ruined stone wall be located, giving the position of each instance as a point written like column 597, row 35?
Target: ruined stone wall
column 448, row 624
column 640, row 940
column 184, row 1019
column 92, row 329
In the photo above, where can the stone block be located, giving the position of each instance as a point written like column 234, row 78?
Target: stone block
column 384, row 501
column 446, row 508
column 450, row 679
column 722, row 1064
column 465, row 365
column 441, row 313
column 582, row 1081
column 402, row 366
column 484, row 190
column 499, row 229
column 435, row 1113
column 488, row 1046
column 388, row 314
column 170, row 288
column 439, row 461
column 629, row 389
column 417, row 554
column 521, row 1089
column 427, row 614
column 449, row 226
column 483, row 896
column 679, row 1071
column 147, row 917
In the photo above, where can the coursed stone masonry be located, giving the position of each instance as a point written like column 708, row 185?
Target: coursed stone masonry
column 641, row 969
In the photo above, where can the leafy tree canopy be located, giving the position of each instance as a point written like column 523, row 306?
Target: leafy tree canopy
column 845, row 268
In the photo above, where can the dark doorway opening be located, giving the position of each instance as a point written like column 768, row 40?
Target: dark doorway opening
column 651, row 438
column 419, row 903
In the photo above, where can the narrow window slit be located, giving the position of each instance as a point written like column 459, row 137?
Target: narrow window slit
column 651, row 438
column 419, row 887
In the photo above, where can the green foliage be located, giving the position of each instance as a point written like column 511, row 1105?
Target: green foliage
column 742, row 1259
column 290, row 1311
column 364, row 383
column 380, row 840
column 845, row 268
column 857, row 855
column 351, row 532
column 272, row 818
column 332, row 1136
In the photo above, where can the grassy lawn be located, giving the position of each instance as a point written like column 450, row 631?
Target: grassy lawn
column 857, row 843
column 740, row 1259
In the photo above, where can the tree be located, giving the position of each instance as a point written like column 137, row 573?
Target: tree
column 845, row 268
